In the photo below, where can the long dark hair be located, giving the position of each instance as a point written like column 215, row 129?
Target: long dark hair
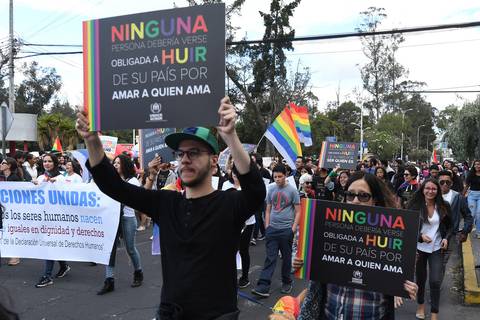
column 13, row 165
column 380, row 192
column 418, row 201
column 55, row 171
column 472, row 172
column 128, row 169
column 77, row 168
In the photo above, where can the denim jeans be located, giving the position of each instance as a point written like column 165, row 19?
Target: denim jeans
column 49, row 264
column 129, row 229
column 277, row 239
column 474, row 205
column 435, row 262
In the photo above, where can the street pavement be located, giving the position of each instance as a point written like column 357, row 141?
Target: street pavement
column 74, row 297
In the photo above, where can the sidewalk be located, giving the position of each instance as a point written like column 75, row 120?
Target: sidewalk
column 471, row 262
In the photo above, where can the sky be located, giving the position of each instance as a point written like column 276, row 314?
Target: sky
column 442, row 59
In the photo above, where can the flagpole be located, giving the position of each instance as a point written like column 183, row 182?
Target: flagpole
column 263, row 136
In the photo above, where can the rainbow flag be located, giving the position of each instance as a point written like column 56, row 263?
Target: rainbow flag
column 57, row 146
column 283, row 135
column 302, row 124
column 91, row 72
column 305, row 237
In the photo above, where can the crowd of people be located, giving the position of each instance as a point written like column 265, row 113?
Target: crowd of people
column 243, row 210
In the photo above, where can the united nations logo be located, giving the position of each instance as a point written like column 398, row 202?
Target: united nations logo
column 357, row 274
column 156, row 107
column 156, row 112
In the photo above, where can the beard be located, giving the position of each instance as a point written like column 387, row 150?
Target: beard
column 202, row 174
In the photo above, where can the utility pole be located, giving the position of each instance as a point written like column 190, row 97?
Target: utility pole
column 403, row 136
column 11, row 89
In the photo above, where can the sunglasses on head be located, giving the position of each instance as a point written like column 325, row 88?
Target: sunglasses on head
column 447, row 182
column 362, row 196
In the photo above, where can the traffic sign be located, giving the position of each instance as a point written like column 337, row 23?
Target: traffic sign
column 365, row 144
column 6, row 118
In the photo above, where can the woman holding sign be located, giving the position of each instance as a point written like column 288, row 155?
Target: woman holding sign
column 436, row 228
column 330, row 301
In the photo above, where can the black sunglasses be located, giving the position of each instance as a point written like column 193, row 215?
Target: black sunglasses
column 447, row 182
column 362, row 196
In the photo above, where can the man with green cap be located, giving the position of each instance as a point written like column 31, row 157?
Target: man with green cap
column 200, row 228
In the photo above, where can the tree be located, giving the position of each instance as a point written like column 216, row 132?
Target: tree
column 382, row 72
column 462, row 134
column 54, row 125
column 37, row 89
column 346, row 115
column 446, row 117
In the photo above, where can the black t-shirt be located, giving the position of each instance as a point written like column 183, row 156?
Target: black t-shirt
column 474, row 181
column 162, row 178
column 322, row 192
column 198, row 237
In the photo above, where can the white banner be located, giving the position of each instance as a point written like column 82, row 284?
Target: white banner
column 57, row 221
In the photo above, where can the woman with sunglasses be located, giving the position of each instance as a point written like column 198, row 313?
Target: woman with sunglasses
column 435, row 229
column 51, row 174
column 9, row 168
column 407, row 189
column 330, row 301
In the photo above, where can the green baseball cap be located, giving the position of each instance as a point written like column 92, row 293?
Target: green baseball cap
column 200, row 134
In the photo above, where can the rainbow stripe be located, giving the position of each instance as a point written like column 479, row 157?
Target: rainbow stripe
column 305, row 238
column 91, row 72
column 283, row 135
column 323, row 153
column 302, row 124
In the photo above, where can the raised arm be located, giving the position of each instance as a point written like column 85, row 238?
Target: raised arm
column 226, row 129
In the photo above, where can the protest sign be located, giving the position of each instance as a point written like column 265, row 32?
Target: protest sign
column 58, row 221
column 160, row 69
column 152, row 141
column 344, row 154
column 109, row 145
column 365, row 247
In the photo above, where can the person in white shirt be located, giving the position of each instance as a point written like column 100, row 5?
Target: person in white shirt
column 30, row 165
column 435, row 230
column 73, row 172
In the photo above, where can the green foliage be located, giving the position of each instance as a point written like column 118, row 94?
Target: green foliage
column 462, row 133
column 447, row 116
column 382, row 144
column 345, row 116
column 51, row 125
column 37, row 89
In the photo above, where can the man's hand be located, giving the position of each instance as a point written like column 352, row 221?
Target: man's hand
column 83, row 126
column 462, row 237
column 228, row 117
column 92, row 141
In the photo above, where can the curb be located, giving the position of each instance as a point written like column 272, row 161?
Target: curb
column 472, row 290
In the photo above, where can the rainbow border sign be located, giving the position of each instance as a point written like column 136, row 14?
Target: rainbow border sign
column 364, row 247
column 344, row 154
column 159, row 69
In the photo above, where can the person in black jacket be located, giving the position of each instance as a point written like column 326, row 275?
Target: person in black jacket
column 435, row 230
column 458, row 204
column 200, row 228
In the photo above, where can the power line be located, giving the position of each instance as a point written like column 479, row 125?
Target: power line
column 361, row 34
column 442, row 91
column 50, row 45
column 48, row 54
